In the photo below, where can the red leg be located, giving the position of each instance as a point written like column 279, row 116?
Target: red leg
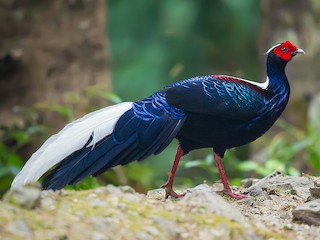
column 168, row 185
column 226, row 187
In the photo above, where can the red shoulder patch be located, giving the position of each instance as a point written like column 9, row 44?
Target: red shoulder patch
column 239, row 81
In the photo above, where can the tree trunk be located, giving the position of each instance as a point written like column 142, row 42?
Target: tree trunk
column 49, row 49
column 299, row 22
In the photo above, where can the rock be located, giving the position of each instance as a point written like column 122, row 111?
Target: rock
column 129, row 197
column 127, row 189
column 21, row 228
column 110, row 189
column 308, row 212
column 315, row 192
column 167, row 226
column 26, row 197
column 48, row 200
column 143, row 236
column 114, row 191
column 248, row 182
column 120, row 212
column 151, row 230
column 103, row 224
column 277, row 184
column 156, row 194
column 221, row 232
column 202, row 198
column 98, row 203
column 98, row 236
column 317, row 182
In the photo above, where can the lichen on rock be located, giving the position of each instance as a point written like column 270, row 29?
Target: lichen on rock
column 121, row 213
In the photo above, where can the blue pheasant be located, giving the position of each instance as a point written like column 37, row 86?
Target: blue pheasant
column 216, row 111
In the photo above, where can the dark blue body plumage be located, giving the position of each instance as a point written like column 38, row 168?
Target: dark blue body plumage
column 214, row 111
column 223, row 112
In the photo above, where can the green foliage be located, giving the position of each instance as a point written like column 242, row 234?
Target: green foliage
column 99, row 92
column 26, row 128
column 154, row 43
column 65, row 111
column 13, row 139
column 88, row 183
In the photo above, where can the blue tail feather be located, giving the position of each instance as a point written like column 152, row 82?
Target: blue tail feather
column 110, row 159
column 169, row 138
column 73, row 164
column 133, row 138
column 138, row 153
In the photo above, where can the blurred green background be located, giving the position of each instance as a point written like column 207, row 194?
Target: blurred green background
column 153, row 43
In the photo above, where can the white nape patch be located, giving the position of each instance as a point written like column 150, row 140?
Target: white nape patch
column 270, row 49
column 71, row 138
column 263, row 85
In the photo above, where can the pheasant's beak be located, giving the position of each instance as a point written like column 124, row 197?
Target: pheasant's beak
column 297, row 51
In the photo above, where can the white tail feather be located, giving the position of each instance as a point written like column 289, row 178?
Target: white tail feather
column 71, row 138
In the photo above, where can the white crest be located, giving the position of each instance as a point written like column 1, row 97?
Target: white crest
column 277, row 45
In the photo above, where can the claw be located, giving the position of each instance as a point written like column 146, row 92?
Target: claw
column 168, row 185
column 170, row 192
column 226, row 187
column 234, row 195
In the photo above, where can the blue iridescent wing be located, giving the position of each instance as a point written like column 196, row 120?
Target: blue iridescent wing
column 209, row 95
column 147, row 129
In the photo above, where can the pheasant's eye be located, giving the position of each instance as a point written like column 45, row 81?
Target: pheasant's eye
column 284, row 50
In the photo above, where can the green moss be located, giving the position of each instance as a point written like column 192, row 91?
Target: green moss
column 266, row 235
column 75, row 207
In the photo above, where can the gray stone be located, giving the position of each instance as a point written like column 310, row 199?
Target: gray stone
column 221, row 232
column 47, row 202
column 300, row 184
column 98, row 203
column 317, row 182
column 156, row 194
column 109, row 189
column 21, row 228
column 127, row 189
column 168, row 227
column 129, row 197
column 308, row 212
column 151, row 230
column 48, row 199
column 201, row 214
column 276, row 184
column 103, row 224
column 98, row 236
column 143, row 236
column 201, row 187
column 26, row 197
column 248, row 182
column 315, row 192
column 202, row 198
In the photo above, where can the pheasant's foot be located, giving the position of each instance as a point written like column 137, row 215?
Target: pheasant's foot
column 233, row 195
column 170, row 192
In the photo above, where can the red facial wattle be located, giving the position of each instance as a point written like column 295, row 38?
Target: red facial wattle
column 285, row 50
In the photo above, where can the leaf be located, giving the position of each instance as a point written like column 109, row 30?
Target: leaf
column 15, row 160
column 196, row 163
column 111, row 96
column 248, row 166
column 293, row 172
